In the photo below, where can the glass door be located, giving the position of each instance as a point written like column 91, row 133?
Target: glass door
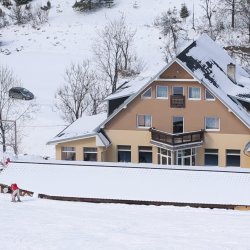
column 178, row 124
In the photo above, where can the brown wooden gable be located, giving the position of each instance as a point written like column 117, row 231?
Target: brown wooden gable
column 175, row 71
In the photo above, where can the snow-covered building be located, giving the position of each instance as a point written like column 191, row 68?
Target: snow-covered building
column 195, row 111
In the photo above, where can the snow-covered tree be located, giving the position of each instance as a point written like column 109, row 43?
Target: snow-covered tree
column 244, row 9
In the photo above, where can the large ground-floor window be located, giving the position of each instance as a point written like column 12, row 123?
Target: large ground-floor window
column 90, row 154
column 211, row 157
column 124, row 153
column 145, row 154
column 68, row 153
column 164, row 156
column 186, row 157
column 233, row 158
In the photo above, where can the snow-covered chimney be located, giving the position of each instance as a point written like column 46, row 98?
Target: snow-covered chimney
column 231, row 71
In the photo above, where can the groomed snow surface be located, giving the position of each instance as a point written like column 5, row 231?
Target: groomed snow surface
column 37, row 224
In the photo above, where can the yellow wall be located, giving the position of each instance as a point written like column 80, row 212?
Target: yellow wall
column 79, row 145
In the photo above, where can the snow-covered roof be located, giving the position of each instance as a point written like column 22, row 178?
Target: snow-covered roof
column 205, row 185
column 208, row 62
column 130, row 87
column 86, row 126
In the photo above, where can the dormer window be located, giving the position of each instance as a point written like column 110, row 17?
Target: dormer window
column 147, row 94
column 209, row 96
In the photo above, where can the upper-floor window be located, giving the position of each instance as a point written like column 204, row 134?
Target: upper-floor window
column 147, row 94
column 177, row 90
column 212, row 123
column 144, row 121
column 68, row 153
column 162, row 92
column 209, row 96
column 194, row 93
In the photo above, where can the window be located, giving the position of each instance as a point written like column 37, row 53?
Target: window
column 147, row 94
column 194, row 93
column 164, row 156
column 145, row 154
column 209, row 96
column 124, row 153
column 186, row 157
column 177, row 90
column 212, row 123
column 162, row 92
column 178, row 126
column 233, row 158
column 68, row 153
column 211, row 157
column 90, row 154
column 144, row 121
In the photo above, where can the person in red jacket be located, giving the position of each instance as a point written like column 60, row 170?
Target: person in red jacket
column 15, row 192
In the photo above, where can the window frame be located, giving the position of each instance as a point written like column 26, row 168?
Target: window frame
column 178, row 87
column 208, row 99
column 233, row 154
column 145, row 149
column 191, row 98
column 90, row 152
column 126, row 148
column 183, row 124
column 137, row 121
column 156, row 94
column 64, row 150
column 211, row 129
column 147, row 97
column 214, row 151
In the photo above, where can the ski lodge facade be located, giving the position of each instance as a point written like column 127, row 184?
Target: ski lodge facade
column 195, row 111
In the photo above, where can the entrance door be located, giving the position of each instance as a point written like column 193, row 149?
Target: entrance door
column 186, row 157
column 178, row 124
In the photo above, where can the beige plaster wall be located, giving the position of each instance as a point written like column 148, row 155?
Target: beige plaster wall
column 130, row 138
column 211, row 141
column 79, row 145
column 162, row 114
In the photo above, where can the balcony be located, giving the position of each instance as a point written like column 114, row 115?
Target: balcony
column 175, row 141
column 177, row 101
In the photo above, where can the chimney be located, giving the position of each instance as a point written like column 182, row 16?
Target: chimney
column 231, row 71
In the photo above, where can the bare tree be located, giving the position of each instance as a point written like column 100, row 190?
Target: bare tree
column 209, row 7
column 11, row 109
column 81, row 93
column 232, row 7
column 114, row 51
column 98, row 92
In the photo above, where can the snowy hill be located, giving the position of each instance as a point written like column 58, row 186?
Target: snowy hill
column 39, row 57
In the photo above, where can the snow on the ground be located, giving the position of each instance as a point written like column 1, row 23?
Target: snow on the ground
column 39, row 58
column 56, row 225
column 193, row 185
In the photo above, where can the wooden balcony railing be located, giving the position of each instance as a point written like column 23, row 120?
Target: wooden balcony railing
column 177, row 139
column 177, row 101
